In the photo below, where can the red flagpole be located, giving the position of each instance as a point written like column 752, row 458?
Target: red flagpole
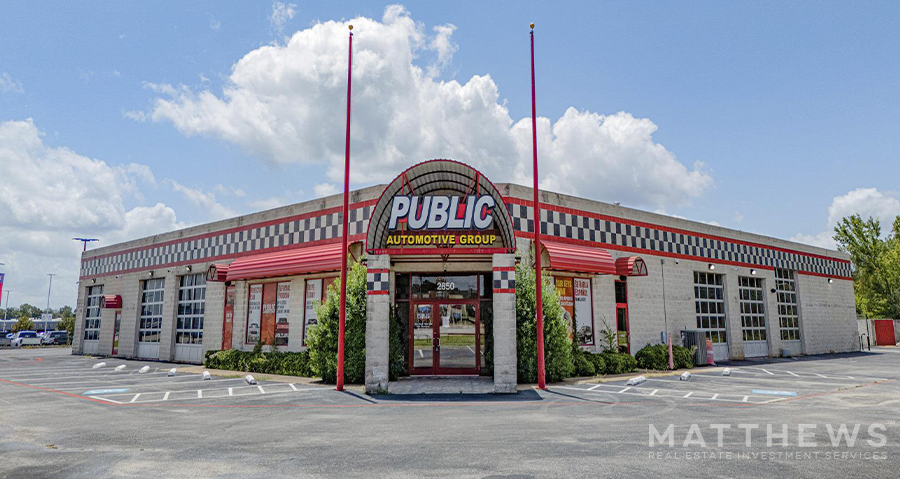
column 538, row 279
column 345, row 230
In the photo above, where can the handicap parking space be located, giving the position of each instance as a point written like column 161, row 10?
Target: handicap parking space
column 744, row 385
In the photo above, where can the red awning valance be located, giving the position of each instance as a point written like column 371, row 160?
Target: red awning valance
column 312, row 259
column 217, row 272
column 580, row 259
column 631, row 266
column 111, row 301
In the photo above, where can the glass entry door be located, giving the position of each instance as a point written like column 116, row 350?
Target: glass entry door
column 446, row 338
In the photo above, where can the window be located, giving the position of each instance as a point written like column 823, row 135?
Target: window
column 786, row 294
column 575, row 298
column 753, row 310
column 316, row 292
column 191, row 305
column 151, row 311
column 709, row 295
column 92, row 313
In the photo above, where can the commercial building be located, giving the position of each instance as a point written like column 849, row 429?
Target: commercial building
column 441, row 243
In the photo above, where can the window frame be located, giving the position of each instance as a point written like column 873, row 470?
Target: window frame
column 92, row 304
column 153, row 317
column 711, row 310
column 190, row 325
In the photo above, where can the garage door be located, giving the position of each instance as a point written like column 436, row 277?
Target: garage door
column 753, row 317
column 150, row 322
column 884, row 332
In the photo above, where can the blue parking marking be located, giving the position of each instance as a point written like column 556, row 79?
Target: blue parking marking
column 774, row 393
column 94, row 392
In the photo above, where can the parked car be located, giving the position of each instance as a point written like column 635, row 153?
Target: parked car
column 55, row 337
column 5, row 341
column 26, row 338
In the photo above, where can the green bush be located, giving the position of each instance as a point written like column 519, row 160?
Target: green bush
column 599, row 363
column 557, row 347
column 684, row 357
column 582, row 362
column 653, row 357
column 275, row 362
column 618, row 363
column 323, row 338
column 657, row 357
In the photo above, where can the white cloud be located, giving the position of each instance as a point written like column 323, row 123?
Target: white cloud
column 203, row 199
column 865, row 202
column 135, row 115
column 50, row 195
column 285, row 104
column 214, row 24
column 8, row 85
column 230, row 191
column 322, row 190
column 280, row 15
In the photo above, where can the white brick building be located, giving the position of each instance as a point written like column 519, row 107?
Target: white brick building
column 631, row 271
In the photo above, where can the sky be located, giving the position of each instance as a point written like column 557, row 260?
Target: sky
column 120, row 120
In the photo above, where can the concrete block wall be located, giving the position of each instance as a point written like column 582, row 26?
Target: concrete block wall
column 505, row 354
column 213, row 316
column 377, row 332
column 827, row 315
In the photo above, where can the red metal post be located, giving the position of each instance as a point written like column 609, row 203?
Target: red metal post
column 344, row 232
column 538, row 278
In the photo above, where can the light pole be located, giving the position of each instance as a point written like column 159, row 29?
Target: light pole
column 6, row 310
column 85, row 241
column 51, row 275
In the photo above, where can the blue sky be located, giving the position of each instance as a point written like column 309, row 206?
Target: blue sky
column 791, row 109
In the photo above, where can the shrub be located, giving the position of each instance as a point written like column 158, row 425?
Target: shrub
column 323, row 339
column 684, row 357
column 582, row 362
column 657, row 357
column 275, row 362
column 618, row 363
column 599, row 363
column 653, row 357
column 557, row 347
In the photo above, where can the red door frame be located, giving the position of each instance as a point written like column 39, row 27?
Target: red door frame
column 436, row 369
column 627, row 325
column 228, row 317
column 117, row 321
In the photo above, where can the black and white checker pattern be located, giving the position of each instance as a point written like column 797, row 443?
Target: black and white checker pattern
column 612, row 233
column 290, row 232
column 504, row 280
column 378, row 281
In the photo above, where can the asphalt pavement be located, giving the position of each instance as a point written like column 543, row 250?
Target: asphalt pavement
column 829, row 416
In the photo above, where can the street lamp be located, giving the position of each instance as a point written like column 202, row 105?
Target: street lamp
column 85, row 241
column 6, row 310
column 51, row 275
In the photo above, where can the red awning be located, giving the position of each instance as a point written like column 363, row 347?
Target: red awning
column 631, row 266
column 580, row 259
column 312, row 259
column 217, row 272
column 111, row 301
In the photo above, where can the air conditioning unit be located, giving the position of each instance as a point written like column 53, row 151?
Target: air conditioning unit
column 695, row 338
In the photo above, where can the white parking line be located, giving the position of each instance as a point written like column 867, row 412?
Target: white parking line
column 290, row 384
column 166, row 397
column 261, row 390
column 767, row 372
column 231, row 391
column 199, row 394
column 629, row 387
column 746, row 398
column 135, row 397
column 821, row 376
column 654, row 392
column 689, row 394
column 714, row 396
column 672, row 394
column 792, row 374
column 593, row 387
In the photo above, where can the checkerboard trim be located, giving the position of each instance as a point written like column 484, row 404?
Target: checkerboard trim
column 504, row 280
column 378, row 281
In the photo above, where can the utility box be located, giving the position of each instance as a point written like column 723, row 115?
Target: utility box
column 695, row 338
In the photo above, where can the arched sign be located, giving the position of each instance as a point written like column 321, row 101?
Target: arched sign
column 440, row 207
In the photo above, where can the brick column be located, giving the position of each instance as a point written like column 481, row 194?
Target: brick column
column 170, row 307
column 504, row 298
column 378, row 306
column 733, row 325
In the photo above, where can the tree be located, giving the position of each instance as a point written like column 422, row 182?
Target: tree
column 67, row 322
column 23, row 324
column 558, row 363
column 876, row 277
column 30, row 311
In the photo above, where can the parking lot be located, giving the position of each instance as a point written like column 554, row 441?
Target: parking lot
column 61, row 417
